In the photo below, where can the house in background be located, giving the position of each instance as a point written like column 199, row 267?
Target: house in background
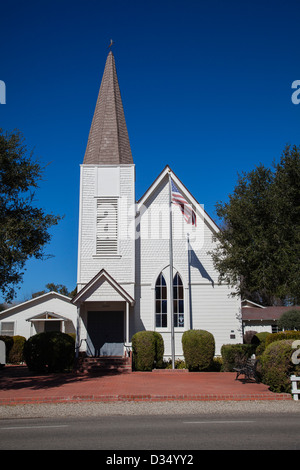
column 259, row 318
column 47, row 312
column 124, row 279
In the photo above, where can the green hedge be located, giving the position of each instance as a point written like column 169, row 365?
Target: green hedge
column 233, row 354
column 159, row 350
column 49, row 351
column 16, row 352
column 277, row 367
column 260, row 342
column 282, row 335
column 198, row 349
column 148, row 350
column 9, row 342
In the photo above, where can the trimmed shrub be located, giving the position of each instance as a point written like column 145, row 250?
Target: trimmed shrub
column 198, row 349
column 16, row 352
column 159, row 350
column 260, row 342
column 8, row 340
column 233, row 354
column 282, row 335
column 217, row 364
column 179, row 364
column 49, row 351
column 277, row 366
column 143, row 349
column 148, row 350
column 248, row 336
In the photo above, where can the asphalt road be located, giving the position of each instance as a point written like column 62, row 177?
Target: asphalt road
column 147, row 432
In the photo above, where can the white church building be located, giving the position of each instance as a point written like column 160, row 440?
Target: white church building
column 130, row 277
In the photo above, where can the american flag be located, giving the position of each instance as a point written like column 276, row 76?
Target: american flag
column 185, row 207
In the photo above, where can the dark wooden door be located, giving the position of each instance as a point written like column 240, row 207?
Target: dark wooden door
column 106, row 333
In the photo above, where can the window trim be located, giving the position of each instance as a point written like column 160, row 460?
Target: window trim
column 178, row 300
column 167, row 329
column 3, row 333
column 160, row 285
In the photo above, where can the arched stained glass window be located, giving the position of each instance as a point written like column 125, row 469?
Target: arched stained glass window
column 178, row 301
column 161, row 302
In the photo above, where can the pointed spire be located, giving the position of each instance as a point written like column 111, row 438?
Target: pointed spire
column 108, row 141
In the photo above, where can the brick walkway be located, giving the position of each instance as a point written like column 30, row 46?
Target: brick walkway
column 17, row 385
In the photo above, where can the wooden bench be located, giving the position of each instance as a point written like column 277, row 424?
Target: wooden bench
column 248, row 369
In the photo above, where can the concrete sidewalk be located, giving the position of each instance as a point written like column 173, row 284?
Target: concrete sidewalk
column 18, row 385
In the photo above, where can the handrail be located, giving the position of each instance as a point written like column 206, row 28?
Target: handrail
column 87, row 344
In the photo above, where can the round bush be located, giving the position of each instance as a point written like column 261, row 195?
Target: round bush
column 16, row 352
column 49, row 351
column 277, row 366
column 261, row 344
column 159, row 350
column 198, row 349
column 9, row 342
column 234, row 354
column 143, row 349
column 248, row 336
column 148, row 350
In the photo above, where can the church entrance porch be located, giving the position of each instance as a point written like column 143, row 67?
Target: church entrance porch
column 103, row 323
column 103, row 329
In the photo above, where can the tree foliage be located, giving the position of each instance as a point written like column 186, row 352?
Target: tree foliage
column 290, row 320
column 23, row 227
column 60, row 288
column 259, row 245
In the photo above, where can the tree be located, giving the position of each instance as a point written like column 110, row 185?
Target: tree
column 290, row 320
column 60, row 288
column 258, row 248
column 23, row 227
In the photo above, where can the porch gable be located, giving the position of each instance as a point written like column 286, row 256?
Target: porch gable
column 102, row 287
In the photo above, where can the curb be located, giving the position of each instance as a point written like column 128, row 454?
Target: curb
column 145, row 398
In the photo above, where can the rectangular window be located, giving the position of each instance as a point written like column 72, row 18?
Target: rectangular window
column 107, row 226
column 7, row 328
column 275, row 328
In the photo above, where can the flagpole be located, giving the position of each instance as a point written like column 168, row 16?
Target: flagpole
column 171, row 275
column 190, row 287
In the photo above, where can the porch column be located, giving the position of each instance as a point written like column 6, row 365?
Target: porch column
column 127, row 323
column 77, row 345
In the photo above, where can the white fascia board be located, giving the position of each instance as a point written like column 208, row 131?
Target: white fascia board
column 42, row 298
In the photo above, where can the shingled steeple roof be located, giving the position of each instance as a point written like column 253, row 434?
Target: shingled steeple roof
column 108, row 141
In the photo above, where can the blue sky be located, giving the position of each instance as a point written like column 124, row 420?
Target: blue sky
column 206, row 89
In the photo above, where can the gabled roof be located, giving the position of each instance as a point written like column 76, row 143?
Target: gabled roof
column 47, row 316
column 90, row 286
column 40, row 298
column 108, row 141
column 266, row 313
column 185, row 192
column 248, row 303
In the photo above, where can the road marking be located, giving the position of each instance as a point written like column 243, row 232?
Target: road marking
column 36, row 426
column 218, row 422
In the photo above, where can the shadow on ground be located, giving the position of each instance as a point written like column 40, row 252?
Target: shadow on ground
column 20, row 377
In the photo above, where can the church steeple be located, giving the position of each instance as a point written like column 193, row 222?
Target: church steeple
column 108, row 141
